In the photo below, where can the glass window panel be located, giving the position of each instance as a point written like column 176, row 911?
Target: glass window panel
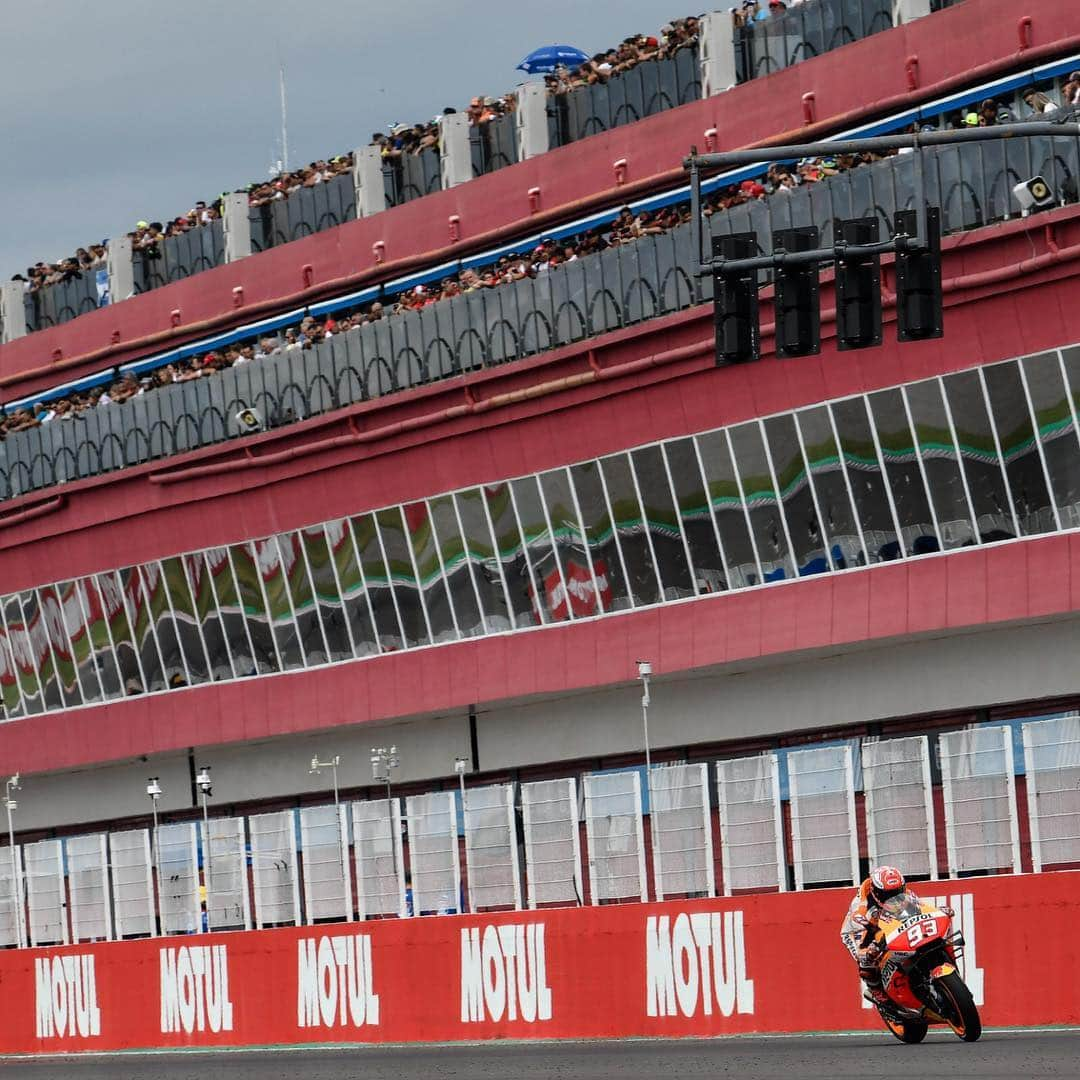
column 377, row 579
column 804, row 529
column 979, row 456
column 481, row 552
column 864, row 475
column 600, row 536
column 186, row 623
column 638, row 561
column 275, row 563
column 941, row 463
column 245, row 574
column 511, row 550
column 209, row 618
column 115, row 633
column 695, row 516
column 839, row 524
column 318, row 563
column 421, row 538
column 59, row 648
column 403, row 576
column 573, row 558
column 225, row 600
column 546, row 588
column 302, row 600
column 9, row 672
column 663, row 523
column 728, row 507
column 133, row 596
column 1012, row 420
column 74, row 609
column 456, row 566
column 904, row 472
column 102, row 653
column 353, row 585
column 40, row 651
column 23, row 655
column 1057, row 432
column 150, row 582
column 761, row 502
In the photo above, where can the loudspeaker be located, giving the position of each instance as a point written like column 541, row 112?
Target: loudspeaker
column 1034, row 194
column 249, row 420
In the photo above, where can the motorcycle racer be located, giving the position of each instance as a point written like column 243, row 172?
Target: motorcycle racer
column 860, row 922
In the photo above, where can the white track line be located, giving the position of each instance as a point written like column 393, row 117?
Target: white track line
column 304, row 1048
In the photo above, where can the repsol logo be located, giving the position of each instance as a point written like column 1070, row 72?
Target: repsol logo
column 696, row 962
column 504, row 974
column 334, row 982
column 195, row 989
column 963, row 904
column 66, row 992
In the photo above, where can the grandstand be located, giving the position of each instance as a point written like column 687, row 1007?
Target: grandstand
column 431, row 455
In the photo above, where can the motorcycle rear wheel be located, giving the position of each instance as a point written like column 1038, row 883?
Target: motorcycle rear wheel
column 964, row 1020
column 907, row 1031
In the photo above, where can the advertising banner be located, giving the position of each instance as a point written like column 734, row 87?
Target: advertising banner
column 755, row 963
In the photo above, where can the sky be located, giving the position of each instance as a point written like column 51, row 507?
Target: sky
column 119, row 110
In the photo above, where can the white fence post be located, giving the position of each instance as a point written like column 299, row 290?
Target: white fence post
column 119, row 260
column 368, row 183
column 12, row 311
column 906, row 10
column 716, row 49
column 455, row 154
column 236, row 224
column 531, row 120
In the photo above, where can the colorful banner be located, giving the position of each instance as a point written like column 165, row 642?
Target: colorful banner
column 760, row 963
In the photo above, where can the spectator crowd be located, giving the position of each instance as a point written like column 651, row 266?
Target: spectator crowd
column 395, row 141
column 627, row 227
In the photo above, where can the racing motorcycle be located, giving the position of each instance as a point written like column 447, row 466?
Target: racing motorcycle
column 916, row 951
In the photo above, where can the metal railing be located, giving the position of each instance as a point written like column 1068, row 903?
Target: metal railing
column 493, row 145
column 806, row 31
column 178, row 257
column 304, row 213
column 622, row 286
column 650, row 87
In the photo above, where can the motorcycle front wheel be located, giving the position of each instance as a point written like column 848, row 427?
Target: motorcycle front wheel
column 907, row 1031
column 963, row 1016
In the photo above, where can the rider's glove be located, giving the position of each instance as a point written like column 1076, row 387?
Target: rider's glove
column 948, row 910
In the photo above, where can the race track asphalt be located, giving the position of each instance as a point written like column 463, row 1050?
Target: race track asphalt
column 1005, row 1055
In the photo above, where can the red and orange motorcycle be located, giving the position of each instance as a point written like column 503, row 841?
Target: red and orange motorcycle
column 917, row 950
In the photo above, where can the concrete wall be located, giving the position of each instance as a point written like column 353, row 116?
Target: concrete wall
column 962, row 671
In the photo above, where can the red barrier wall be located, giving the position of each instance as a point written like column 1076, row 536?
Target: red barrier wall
column 761, row 963
column 896, row 69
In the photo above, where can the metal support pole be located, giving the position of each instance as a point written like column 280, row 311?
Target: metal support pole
column 696, row 231
column 695, row 162
column 16, row 878
column 644, row 672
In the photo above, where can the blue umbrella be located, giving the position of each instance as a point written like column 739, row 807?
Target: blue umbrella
column 550, row 57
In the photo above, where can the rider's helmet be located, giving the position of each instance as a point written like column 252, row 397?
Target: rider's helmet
column 885, row 883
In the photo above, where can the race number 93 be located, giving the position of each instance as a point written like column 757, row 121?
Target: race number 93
column 920, row 932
